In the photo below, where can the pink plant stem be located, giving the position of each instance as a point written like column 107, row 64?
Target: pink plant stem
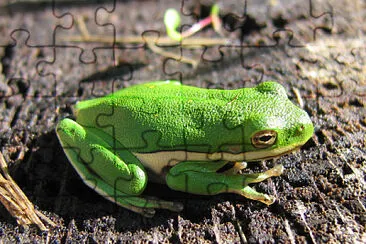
column 196, row 27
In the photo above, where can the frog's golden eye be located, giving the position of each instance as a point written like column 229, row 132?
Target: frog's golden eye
column 264, row 138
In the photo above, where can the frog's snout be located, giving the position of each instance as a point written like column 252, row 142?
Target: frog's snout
column 304, row 128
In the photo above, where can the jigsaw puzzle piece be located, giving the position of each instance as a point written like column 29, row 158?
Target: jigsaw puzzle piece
column 331, row 64
column 109, row 80
column 108, row 122
column 174, row 63
column 267, row 59
column 85, row 22
column 23, row 55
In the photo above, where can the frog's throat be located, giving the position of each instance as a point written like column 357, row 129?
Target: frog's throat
column 157, row 161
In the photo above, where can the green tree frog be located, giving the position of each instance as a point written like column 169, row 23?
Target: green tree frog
column 183, row 136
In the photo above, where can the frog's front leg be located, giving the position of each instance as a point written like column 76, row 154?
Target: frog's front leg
column 112, row 171
column 202, row 178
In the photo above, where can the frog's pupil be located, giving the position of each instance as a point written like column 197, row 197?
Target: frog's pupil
column 265, row 138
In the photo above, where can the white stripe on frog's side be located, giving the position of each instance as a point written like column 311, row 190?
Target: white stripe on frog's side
column 157, row 161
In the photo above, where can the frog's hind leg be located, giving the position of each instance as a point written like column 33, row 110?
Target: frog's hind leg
column 113, row 172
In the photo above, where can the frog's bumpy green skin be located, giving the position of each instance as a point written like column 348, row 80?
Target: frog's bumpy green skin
column 192, row 131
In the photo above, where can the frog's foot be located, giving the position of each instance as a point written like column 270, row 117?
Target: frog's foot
column 250, row 193
column 202, row 178
column 147, row 206
column 236, row 168
column 143, row 205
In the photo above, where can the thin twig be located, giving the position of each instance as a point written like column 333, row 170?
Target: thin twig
column 82, row 27
column 163, row 41
column 177, row 57
column 298, row 97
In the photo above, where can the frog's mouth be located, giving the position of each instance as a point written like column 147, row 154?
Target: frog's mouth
column 253, row 155
column 258, row 156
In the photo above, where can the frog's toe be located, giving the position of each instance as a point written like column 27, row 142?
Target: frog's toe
column 276, row 170
column 236, row 168
column 172, row 206
column 177, row 207
column 268, row 200
column 259, row 177
column 144, row 211
column 153, row 203
column 250, row 193
column 147, row 212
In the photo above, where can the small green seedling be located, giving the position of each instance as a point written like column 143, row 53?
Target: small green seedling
column 172, row 22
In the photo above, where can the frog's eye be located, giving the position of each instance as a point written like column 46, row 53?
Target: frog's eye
column 264, row 138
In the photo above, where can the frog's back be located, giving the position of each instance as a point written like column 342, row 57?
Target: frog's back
column 172, row 114
column 162, row 90
column 156, row 96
